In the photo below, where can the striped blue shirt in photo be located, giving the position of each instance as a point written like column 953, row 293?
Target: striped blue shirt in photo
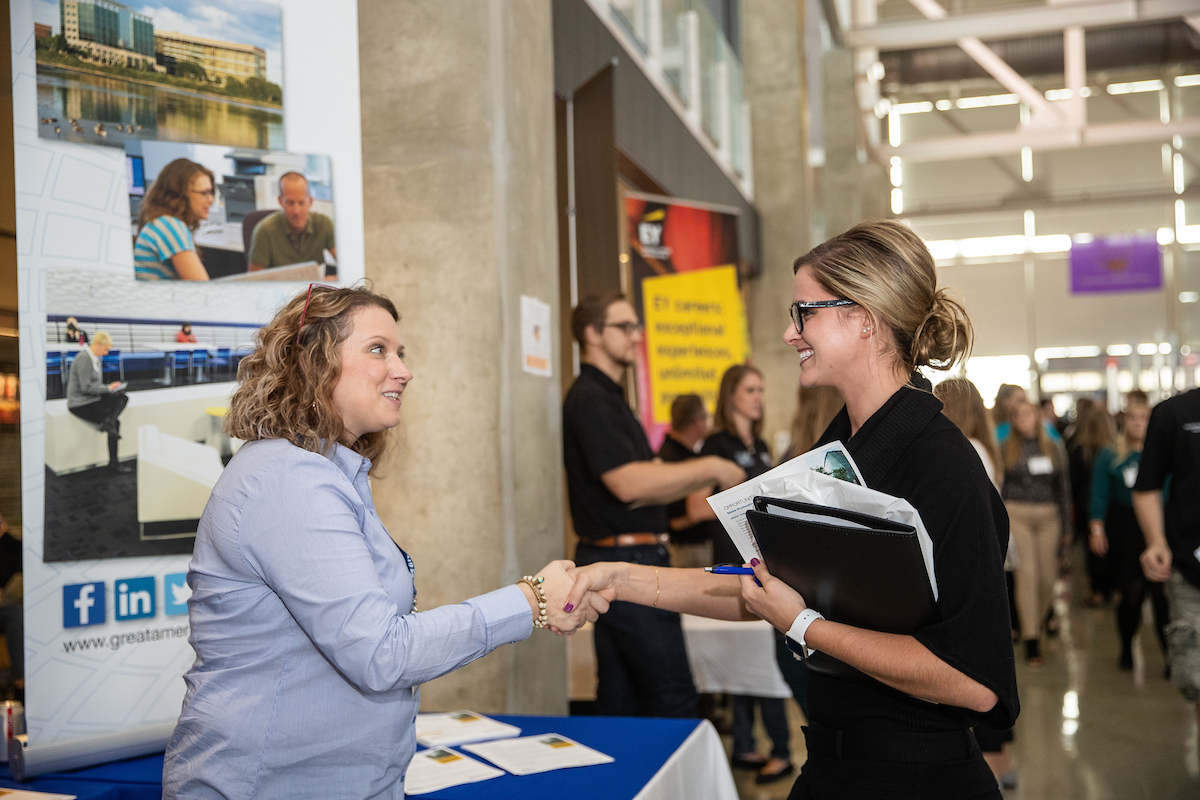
column 160, row 240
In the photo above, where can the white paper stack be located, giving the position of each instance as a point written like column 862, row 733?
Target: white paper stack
column 24, row 794
column 459, row 727
column 731, row 505
column 439, row 768
column 542, row 753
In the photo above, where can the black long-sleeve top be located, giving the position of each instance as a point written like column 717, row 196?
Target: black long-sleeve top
column 909, row 449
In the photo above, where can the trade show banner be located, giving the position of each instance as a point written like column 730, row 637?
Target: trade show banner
column 683, row 259
column 102, row 130
column 1116, row 264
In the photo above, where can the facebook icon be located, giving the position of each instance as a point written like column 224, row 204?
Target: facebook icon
column 83, row 604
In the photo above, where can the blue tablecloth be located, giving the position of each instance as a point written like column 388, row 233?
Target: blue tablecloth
column 135, row 779
column 640, row 747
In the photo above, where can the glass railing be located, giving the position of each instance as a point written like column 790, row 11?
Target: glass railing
column 683, row 45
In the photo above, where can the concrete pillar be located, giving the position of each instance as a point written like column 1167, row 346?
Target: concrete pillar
column 854, row 186
column 774, row 74
column 459, row 202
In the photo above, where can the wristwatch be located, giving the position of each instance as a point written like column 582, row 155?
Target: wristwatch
column 799, row 628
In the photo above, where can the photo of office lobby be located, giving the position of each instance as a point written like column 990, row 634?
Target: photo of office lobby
column 886, row 312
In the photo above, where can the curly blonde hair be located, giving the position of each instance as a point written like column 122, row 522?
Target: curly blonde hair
column 285, row 387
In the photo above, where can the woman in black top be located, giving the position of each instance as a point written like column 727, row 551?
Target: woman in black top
column 737, row 436
column 867, row 313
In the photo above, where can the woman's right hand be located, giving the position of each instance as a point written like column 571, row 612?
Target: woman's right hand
column 1097, row 539
column 562, row 614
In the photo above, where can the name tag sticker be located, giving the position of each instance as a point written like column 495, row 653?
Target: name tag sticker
column 1130, row 474
column 1040, row 465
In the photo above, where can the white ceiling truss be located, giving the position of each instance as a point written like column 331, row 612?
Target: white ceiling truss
column 1049, row 125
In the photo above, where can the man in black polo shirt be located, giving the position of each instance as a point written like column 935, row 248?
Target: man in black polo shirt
column 1172, row 450
column 617, row 493
column 691, row 536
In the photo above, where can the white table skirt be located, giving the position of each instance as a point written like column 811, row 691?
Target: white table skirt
column 733, row 657
column 698, row 770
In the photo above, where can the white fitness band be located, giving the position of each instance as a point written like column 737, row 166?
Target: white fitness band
column 800, row 627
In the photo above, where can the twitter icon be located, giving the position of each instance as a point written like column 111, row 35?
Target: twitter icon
column 175, row 594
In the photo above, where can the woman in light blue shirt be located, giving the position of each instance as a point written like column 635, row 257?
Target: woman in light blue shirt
column 309, row 648
column 177, row 202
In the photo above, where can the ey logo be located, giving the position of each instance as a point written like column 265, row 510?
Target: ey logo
column 83, row 604
column 134, row 598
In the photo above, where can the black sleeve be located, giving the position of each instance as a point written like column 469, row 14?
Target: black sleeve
column 718, row 444
column 1158, row 451
column 965, row 519
column 604, row 440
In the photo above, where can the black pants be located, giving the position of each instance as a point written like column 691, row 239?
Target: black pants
column 1126, row 543
column 963, row 775
column 641, row 659
column 774, row 717
column 12, row 625
column 105, row 413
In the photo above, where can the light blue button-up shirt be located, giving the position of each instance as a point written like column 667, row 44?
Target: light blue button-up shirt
column 308, row 656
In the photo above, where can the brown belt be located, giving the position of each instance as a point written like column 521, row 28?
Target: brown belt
column 629, row 539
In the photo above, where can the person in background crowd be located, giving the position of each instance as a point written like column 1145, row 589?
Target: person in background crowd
column 737, row 436
column 12, row 605
column 1008, row 397
column 184, row 335
column 295, row 235
column 1051, row 416
column 1083, row 407
column 816, row 406
column 618, row 493
column 1037, row 494
column 963, row 406
column 1093, row 431
column 1172, row 451
column 302, row 603
column 175, row 205
column 90, row 399
column 1114, row 530
column 691, row 538
column 867, row 314
column 74, row 333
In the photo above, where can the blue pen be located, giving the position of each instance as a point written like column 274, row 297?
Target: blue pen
column 729, row 569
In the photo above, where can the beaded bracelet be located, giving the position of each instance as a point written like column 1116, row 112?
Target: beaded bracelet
column 535, row 584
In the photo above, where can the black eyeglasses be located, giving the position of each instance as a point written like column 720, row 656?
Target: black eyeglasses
column 628, row 328
column 798, row 310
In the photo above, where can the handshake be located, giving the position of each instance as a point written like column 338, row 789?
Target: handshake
column 564, row 615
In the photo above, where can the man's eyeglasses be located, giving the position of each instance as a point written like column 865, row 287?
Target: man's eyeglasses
column 627, row 328
column 799, row 310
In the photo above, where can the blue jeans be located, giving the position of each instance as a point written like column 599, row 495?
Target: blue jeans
column 641, row 659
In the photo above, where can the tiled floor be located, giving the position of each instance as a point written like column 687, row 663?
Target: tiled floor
column 1087, row 730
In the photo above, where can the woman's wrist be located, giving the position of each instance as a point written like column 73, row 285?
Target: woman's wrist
column 530, row 598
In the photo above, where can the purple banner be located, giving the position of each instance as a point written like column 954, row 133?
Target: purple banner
column 1116, row 264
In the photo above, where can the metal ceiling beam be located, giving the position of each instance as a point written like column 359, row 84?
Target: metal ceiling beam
column 1015, row 24
column 982, row 145
column 963, row 212
column 1043, row 113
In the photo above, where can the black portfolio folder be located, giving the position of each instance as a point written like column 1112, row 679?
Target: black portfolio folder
column 853, row 568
